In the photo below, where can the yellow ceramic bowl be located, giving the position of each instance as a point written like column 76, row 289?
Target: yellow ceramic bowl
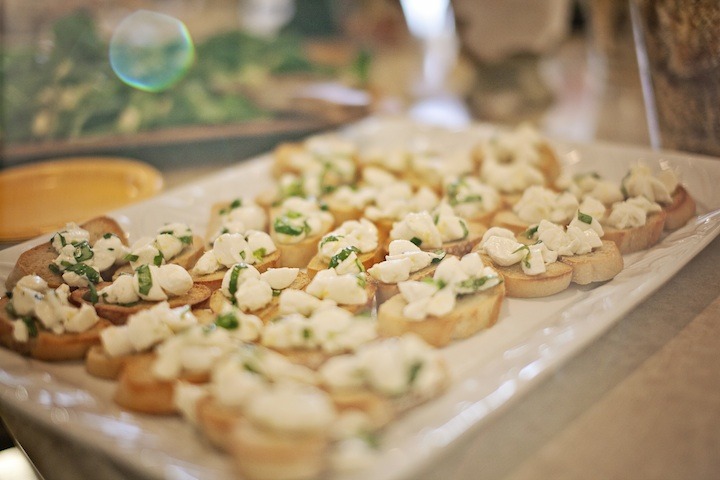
column 42, row 197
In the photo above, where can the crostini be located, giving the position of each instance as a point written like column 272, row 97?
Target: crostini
column 40, row 322
column 95, row 248
column 463, row 297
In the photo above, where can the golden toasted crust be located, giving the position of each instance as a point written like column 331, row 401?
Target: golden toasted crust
column 217, row 421
column 138, row 389
column 471, row 314
column 631, row 240
column 520, row 285
column 680, row 210
column 600, row 265
column 36, row 260
column 509, row 219
column 99, row 364
column 118, row 314
column 47, row 345
column 263, row 454
column 299, row 254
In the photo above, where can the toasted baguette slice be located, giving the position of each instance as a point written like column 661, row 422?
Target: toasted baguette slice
column 263, row 454
column 509, row 219
column 36, row 261
column 680, row 210
column 520, row 285
column 368, row 259
column 299, row 254
column 456, row 247
column 600, row 265
column 49, row 346
column 217, row 421
column 459, row 248
column 218, row 300
column 472, row 313
column 214, row 280
column 118, row 314
column 631, row 240
column 382, row 409
column 101, row 365
column 138, row 389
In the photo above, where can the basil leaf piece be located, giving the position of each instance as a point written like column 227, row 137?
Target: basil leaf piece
column 416, row 241
column 86, row 271
column 158, row 259
column 530, row 232
column 440, row 256
column 31, row 326
column 342, row 255
column 328, row 239
column 414, row 371
column 475, row 284
column 283, row 225
column 234, row 277
column 83, row 252
column 260, row 253
column 131, row 257
column 585, row 218
column 145, row 282
column 228, row 321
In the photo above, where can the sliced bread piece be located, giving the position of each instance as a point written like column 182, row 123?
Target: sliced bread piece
column 36, row 260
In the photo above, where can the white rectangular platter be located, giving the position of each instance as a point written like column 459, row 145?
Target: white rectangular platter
column 488, row 370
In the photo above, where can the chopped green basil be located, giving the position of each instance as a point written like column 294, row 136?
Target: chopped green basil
column 234, row 277
column 307, row 333
column 439, row 258
column 416, row 241
column 259, row 254
column 466, row 232
column 228, row 321
column 108, row 235
column 144, row 279
column 585, row 218
column 282, row 225
column 342, row 255
column 93, row 297
column 10, row 310
column 131, row 257
column 328, row 239
column 414, row 371
column 475, row 284
column 530, row 232
column 82, row 252
column 251, row 368
column 276, row 292
column 86, row 271
column 158, row 259
column 31, row 326
column 233, row 205
column 54, row 269
column 63, row 242
column 361, row 280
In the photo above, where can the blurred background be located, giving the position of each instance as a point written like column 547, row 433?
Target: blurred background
column 227, row 79
column 251, row 72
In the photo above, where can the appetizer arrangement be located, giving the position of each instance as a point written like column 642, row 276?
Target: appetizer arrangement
column 308, row 318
